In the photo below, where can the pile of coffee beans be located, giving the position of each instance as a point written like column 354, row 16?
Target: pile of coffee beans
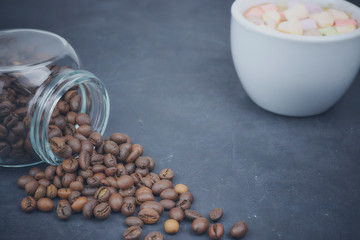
column 102, row 176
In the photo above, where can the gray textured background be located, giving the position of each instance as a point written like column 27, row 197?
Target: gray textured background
column 168, row 69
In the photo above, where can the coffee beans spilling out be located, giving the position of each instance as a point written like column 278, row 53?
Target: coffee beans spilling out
column 99, row 176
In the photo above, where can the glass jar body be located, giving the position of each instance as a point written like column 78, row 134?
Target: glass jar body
column 36, row 70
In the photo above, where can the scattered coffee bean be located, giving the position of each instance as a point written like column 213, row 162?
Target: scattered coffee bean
column 102, row 211
column 200, row 225
column 31, row 187
column 171, row 226
column 64, row 193
column 154, row 236
column 239, row 230
column 160, row 186
column 132, row 233
column 116, row 201
column 128, row 208
column 51, row 191
column 216, row 231
column 181, row 188
column 149, row 216
column 170, row 194
column 158, row 207
column 28, row 204
column 177, row 214
column 88, row 208
column 191, row 214
column 23, row 180
column 45, row 204
column 63, row 209
column 166, row 174
column 79, row 203
column 40, row 192
column 167, row 204
column 216, row 214
column 134, row 221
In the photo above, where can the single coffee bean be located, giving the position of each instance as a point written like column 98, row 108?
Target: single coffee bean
column 79, row 204
column 99, row 176
column 171, row 226
column 59, row 171
column 145, row 182
column 239, row 230
column 85, row 173
column 166, row 174
column 121, row 171
column 112, row 181
column 70, row 94
column 93, row 182
column 141, row 198
column 11, row 120
column 75, row 145
column 132, row 233
column 124, row 152
column 102, row 194
column 154, row 236
column 67, row 179
column 79, row 179
column 149, row 216
column 75, row 103
column 116, row 201
column 154, row 177
column 128, row 208
column 28, row 204
column 134, row 221
column 111, row 147
column 31, row 187
column 64, row 193
column 130, row 168
column 54, row 131
column 169, row 194
column 109, row 160
column 33, row 171
column 73, row 196
column 142, row 171
column 83, row 119
column 70, row 165
column 23, row 180
column 168, row 204
column 84, row 160
column 66, row 153
column 57, row 145
column 133, row 155
column 143, row 190
column 125, row 182
column 102, row 211
column 137, row 147
column 80, row 137
column 110, row 171
column 69, row 129
column 216, row 214
column 51, row 191
column 70, row 117
column 216, row 231
column 118, row 138
column 39, row 175
column 63, row 209
column 59, row 121
column 185, row 200
column 87, row 210
column 98, row 168
column 200, row 225
column 181, row 188
column 158, row 207
column 142, row 162
column 96, row 139
column 63, row 107
column 56, row 181
column 50, row 172
column 128, row 192
column 177, row 214
column 191, row 214
column 45, row 204
column 76, row 186
column 3, row 131
column 84, row 130
column 151, row 163
column 130, row 200
column 160, row 186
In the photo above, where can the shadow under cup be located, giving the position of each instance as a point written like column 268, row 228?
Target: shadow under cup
column 293, row 75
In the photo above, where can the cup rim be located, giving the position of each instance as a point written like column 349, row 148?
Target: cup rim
column 238, row 16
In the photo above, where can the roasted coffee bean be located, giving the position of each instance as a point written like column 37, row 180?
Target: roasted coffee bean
column 110, row 171
column 143, row 190
column 64, row 193
column 4, row 149
column 70, row 94
column 55, row 113
column 56, row 181
column 98, row 168
column 154, row 177
column 84, row 130
column 50, row 172
column 63, row 107
column 67, row 179
column 85, row 173
column 39, row 175
column 96, row 139
column 45, row 204
column 186, row 196
column 215, row 214
column 149, row 216
column 120, row 170
column 133, row 156
column 3, row 131
column 177, row 214
column 134, row 221
column 75, row 103
column 73, row 196
column 160, row 186
column 99, row 176
column 40, row 192
column 51, row 191
column 109, row 160
column 76, row 186
column 80, row 137
column 33, row 171
column 63, row 209
column 102, row 211
column 5, row 108
column 104, row 183
column 11, row 120
column 70, row 117
column 83, row 119
column 111, row 147
column 169, row 194
column 102, row 194
column 89, row 191
column 154, row 236
column 96, row 159
column 59, row 171
column 28, row 204
column 112, row 181
column 66, row 153
column 171, row 226
column 116, row 201
column 128, row 208
column 129, row 192
column 87, row 210
column 181, row 188
column 142, row 162
column 167, row 204
column 79, row 179
column 93, row 182
column 70, row 165
column 200, row 225
column 145, row 182
column 183, row 204
column 87, row 146
column 130, row 200
column 140, row 199
column 132, row 233
column 118, row 138
column 57, row 145
column 191, row 214
column 166, row 174
column 216, row 231
column 158, row 207
column 130, row 168
column 69, row 129
column 137, row 147
column 75, row 145
column 79, row 203
column 30, row 187
column 142, row 171
column 151, row 164
column 239, row 230
column 23, row 180
column 112, row 190
column 125, row 182
column 124, row 152
column 84, row 160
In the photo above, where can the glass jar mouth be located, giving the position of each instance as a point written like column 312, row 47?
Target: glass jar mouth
column 45, row 103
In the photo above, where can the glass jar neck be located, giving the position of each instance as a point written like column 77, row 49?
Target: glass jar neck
column 95, row 102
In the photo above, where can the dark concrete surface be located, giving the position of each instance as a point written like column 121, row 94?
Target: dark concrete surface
column 168, row 69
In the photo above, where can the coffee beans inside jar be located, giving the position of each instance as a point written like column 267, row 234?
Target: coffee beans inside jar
column 103, row 175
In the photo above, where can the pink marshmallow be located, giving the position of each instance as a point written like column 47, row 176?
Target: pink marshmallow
column 268, row 7
column 255, row 12
column 344, row 22
column 308, row 24
column 313, row 7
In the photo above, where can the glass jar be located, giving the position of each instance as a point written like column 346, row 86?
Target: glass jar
column 36, row 69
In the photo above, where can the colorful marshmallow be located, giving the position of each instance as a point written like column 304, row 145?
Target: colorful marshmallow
column 296, row 12
column 292, row 26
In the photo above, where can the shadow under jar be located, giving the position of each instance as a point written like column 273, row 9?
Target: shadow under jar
column 36, row 69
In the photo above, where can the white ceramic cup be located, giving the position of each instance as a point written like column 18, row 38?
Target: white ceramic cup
column 289, row 74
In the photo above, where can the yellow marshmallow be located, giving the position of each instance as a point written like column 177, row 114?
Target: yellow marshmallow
column 271, row 15
column 296, row 12
column 323, row 19
column 345, row 28
column 291, row 26
column 338, row 14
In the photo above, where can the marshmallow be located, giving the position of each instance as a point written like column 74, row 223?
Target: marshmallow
column 312, row 32
column 345, row 29
column 328, row 31
column 255, row 11
column 313, row 7
column 340, row 22
column 296, row 12
column 273, row 15
column 291, row 26
column 323, row 19
column 256, row 20
column 308, row 24
column 271, row 23
column 338, row 14
column 268, row 7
